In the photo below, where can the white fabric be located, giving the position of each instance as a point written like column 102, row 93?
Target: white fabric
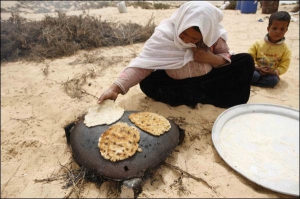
column 165, row 50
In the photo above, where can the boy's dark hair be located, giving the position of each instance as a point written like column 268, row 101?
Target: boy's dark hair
column 279, row 16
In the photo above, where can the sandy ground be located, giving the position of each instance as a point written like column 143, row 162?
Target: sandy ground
column 35, row 108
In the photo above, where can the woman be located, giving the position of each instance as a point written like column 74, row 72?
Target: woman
column 186, row 61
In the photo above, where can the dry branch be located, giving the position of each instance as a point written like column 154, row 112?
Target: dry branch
column 199, row 179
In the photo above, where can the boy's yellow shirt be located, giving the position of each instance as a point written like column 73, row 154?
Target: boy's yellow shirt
column 276, row 56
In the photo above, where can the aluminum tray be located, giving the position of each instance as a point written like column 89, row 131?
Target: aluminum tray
column 261, row 142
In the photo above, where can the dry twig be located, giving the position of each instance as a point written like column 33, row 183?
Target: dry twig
column 199, row 179
column 10, row 178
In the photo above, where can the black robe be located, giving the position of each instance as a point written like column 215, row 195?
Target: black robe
column 222, row 87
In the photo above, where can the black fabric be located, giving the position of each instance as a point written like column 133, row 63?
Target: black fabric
column 222, row 87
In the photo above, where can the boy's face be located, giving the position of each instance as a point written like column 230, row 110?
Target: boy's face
column 277, row 30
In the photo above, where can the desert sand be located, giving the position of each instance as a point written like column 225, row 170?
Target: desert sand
column 35, row 108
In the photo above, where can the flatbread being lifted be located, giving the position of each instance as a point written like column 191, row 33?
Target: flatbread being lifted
column 105, row 113
column 119, row 142
column 150, row 122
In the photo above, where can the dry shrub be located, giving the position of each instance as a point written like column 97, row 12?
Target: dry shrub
column 45, row 70
column 104, row 61
column 161, row 6
column 296, row 7
column 231, row 6
column 73, row 87
column 54, row 37
column 142, row 4
column 149, row 5
column 17, row 36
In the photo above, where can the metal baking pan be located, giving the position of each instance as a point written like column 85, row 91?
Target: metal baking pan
column 155, row 149
column 261, row 142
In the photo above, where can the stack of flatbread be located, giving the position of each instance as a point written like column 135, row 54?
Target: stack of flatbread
column 105, row 113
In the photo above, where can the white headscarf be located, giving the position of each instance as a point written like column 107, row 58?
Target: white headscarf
column 165, row 50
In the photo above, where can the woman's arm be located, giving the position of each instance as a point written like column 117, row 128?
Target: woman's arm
column 127, row 79
column 130, row 77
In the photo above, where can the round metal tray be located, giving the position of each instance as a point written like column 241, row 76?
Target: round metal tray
column 261, row 142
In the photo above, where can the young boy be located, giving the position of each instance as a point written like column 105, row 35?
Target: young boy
column 272, row 56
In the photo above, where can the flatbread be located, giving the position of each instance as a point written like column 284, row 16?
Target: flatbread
column 105, row 113
column 119, row 142
column 150, row 122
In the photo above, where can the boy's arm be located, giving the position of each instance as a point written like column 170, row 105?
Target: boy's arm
column 253, row 52
column 284, row 64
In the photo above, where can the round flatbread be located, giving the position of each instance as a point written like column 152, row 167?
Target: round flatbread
column 119, row 142
column 105, row 113
column 150, row 122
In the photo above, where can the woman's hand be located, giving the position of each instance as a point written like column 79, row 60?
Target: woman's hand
column 202, row 55
column 206, row 56
column 111, row 93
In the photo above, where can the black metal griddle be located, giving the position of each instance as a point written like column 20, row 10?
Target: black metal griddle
column 155, row 149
